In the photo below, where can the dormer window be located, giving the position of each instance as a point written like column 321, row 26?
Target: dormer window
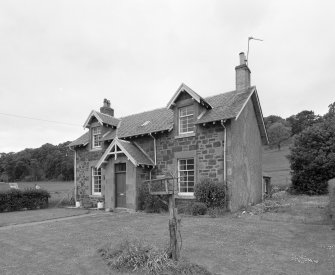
column 96, row 137
column 186, row 119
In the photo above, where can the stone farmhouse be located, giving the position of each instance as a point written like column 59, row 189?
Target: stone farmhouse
column 218, row 137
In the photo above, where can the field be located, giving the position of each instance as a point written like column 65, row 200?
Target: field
column 60, row 191
column 277, row 166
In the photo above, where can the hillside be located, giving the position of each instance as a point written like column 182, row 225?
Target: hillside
column 277, row 166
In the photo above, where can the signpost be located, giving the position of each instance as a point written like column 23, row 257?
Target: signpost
column 167, row 186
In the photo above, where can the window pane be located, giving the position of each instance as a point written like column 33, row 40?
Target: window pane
column 96, row 180
column 96, row 137
column 186, row 175
column 120, row 167
column 186, row 119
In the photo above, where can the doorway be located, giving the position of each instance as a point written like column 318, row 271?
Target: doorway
column 120, row 185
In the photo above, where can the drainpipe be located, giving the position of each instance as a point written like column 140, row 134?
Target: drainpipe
column 225, row 159
column 224, row 151
column 75, row 173
column 154, row 148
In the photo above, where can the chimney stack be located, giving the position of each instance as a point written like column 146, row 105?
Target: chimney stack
column 106, row 108
column 242, row 74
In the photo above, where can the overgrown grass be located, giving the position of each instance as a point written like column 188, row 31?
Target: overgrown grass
column 138, row 256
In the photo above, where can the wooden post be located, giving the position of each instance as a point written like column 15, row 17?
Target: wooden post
column 173, row 228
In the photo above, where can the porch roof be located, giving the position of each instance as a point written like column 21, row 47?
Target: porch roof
column 133, row 152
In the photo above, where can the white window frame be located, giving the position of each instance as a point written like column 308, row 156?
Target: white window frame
column 188, row 116
column 187, row 180
column 96, row 137
column 96, row 181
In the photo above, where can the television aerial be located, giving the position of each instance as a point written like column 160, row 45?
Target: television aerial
column 251, row 38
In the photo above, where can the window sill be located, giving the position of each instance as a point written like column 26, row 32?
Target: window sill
column 185, row 196
column 96, row 196
column 95, row 149
column 185, row 135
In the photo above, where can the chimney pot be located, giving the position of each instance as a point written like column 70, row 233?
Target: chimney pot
column 242, row 58
column 106, row 109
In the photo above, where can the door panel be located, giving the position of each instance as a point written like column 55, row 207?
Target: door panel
column 120, row 189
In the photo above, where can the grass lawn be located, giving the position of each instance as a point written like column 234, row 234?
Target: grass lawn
column 21, row 217
column 277, row 166
column 227, row 245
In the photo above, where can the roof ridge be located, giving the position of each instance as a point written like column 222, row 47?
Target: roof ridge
column 162, row 108
column 233, row 91
column 106, row 115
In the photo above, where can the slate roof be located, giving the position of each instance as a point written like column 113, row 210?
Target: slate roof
column 137, row 154
column 108, row 119
column 82, row 140
column 134, row 153
column 157, row 120
column 224, row 106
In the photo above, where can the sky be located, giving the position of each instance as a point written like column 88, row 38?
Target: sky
column 60, row 59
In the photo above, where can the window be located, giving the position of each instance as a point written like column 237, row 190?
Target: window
column 186, row 121
column 96, row 137
column 186, row 176
column 96, row 181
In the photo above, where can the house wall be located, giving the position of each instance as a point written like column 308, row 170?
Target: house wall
column 86, row 159
column 205, row 146
column 244, row 160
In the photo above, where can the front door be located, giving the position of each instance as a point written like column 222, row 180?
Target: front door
column 120, row 185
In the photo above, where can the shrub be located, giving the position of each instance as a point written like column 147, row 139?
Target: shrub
column 198, row 208
column 13, row 200
column 212, row 194
column 135, row 255
column 151, row 203
column 312, row 158
column 138, row 256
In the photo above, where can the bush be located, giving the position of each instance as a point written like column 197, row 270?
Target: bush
column 13, row 200
column 138, row 256
column 212, row 194
column 150, row 203
column 312, row 158
column 135, row 255
column 199, row 208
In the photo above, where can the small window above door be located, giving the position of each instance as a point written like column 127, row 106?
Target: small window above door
column 120, row 167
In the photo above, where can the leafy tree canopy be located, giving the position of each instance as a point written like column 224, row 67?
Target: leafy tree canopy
column 49, row 162
column 278, row 133
column 312, row 157
column 301, row 121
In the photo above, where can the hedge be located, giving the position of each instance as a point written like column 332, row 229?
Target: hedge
column 14, row 200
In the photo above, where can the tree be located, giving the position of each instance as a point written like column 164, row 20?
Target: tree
column 278, row 133
column 269, row 120
column 301, row 121
column 312, row 156
column 47, row 162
